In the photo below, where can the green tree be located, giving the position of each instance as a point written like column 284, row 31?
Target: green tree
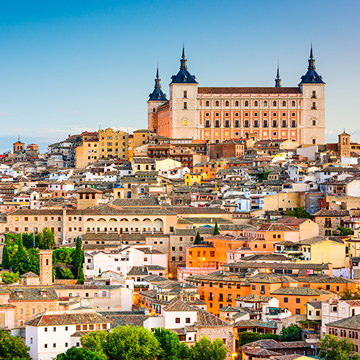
column 331, row 348
column 197, row 240
column 66, row 274
column 246, row 337
column 131, row 343
column 216, row 228
column 204, row 349
column 81, row 276
column 20, row 261
column 12, row 348
column 10, row 278
column 349, row 294
column 94, row 342
column 291, row 333
column 45, row 239
column 28, row 240
column 78, row 258
column 343, row 231
column 75, row 353
column 171, row 347
column 63, row 255
column 299, row 213
column 34, row 261
column 5, row 258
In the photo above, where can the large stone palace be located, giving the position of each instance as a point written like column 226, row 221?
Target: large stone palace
column 218, row 114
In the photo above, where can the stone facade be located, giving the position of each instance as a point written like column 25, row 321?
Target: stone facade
column 225, row 333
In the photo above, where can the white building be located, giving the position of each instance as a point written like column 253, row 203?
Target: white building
column 123, row 259
column 52, row 333
column 335, row 309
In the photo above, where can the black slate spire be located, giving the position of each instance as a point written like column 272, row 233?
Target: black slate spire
column 278, row 79
column 183, row 76
column 157, row 94
column 311, row 75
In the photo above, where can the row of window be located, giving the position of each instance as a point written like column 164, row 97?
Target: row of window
column 255, row 114
column 313, row 106
column 111, row 144
column 110, row 138
column 255, row 123
column 247, row 103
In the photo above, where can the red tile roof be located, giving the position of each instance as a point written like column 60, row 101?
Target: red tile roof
column 68, row 319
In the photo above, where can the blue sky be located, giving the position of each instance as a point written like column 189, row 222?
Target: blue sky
column 68, row 66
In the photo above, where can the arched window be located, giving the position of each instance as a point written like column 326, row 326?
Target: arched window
column 207, row 103
column 293, row 103
column 246, row 103
column 256, row 103
column 265, row 103
column 227, row 103
column 274, row 103
column 185, row 94
column 284, row 103
column 217, row 103
column 236, row 103
column 153, row 109
column 185, row 105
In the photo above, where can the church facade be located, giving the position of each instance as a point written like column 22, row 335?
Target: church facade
column 218, row 114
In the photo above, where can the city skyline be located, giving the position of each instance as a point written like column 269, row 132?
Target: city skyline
column 73, row 68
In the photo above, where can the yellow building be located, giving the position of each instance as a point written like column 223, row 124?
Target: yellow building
column 353, row 244
column 113, row 144
column 192, row 178
column 322, row 249
column 283, row 201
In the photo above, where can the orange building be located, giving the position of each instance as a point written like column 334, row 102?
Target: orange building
column 213, row 254
column 221, row 288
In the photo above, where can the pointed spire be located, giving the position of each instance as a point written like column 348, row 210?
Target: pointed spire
column 311, row 60
column 183, row 60
column 157, row 94
column 157, row 79
column 278, row 79
column 311, row 76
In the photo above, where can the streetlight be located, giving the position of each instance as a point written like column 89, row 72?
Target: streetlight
column 234, row 355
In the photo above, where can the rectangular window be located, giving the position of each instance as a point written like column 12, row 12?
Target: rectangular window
column 286, row 300
column 177, row 320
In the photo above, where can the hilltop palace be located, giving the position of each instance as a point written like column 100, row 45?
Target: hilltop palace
column 218, row 114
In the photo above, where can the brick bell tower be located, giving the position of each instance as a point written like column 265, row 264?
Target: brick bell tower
column 46, row 267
